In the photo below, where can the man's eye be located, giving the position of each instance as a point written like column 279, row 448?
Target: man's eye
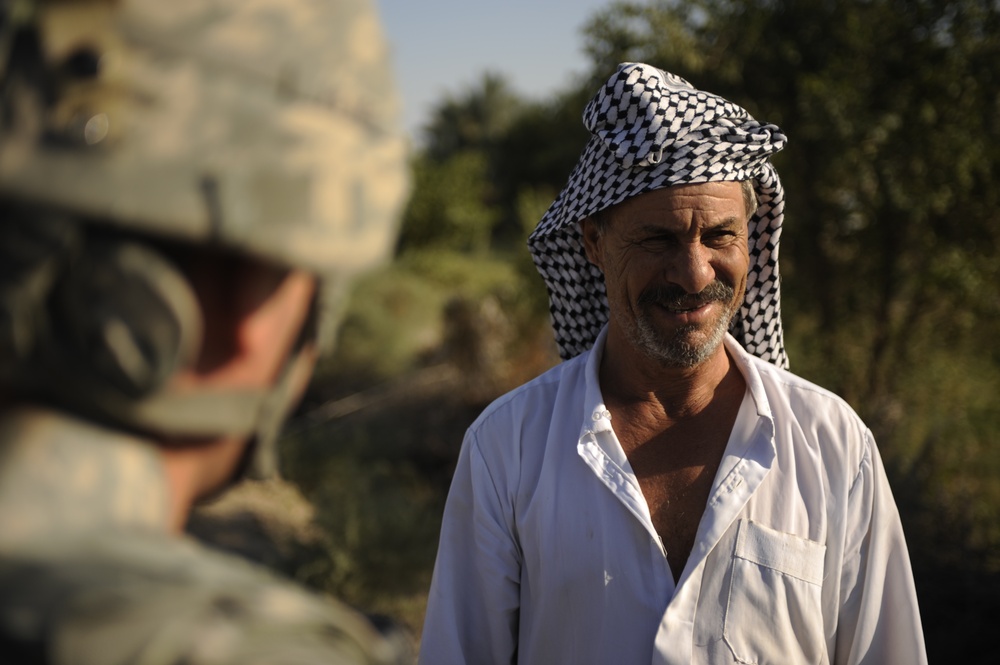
column 719, row 237
column 659, row 241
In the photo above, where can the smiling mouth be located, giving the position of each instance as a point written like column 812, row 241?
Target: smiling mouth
column 674, row 307
column 676, row 301
column 691, row 308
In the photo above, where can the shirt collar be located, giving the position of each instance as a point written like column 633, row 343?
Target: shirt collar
column 597, row 418
column 747, row 365
column 751, row 444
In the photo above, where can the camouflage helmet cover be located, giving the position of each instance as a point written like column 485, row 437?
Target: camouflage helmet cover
column 267, row 127
column 260, row 125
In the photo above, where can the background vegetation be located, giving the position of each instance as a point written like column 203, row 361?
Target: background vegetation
column 890, row 263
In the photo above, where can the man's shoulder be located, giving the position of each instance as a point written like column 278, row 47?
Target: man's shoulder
column 792, row 396
column 795, row 384
column 118, row 596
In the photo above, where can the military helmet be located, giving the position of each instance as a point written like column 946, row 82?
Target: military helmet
column 261, row 125
column 265, row 127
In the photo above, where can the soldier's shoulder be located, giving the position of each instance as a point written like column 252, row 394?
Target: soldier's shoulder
column 128, row 599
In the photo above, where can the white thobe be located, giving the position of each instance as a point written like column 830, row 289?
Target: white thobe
column 548, row 552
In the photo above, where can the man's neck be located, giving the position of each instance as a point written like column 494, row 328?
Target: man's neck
column 645, row 388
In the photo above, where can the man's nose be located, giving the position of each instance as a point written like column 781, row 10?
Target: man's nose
column 691, row 267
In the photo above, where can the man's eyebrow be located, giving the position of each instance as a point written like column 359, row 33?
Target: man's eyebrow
column 726, row 223
column 652, row 228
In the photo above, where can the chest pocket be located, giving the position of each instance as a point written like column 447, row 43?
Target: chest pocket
column 774, row 612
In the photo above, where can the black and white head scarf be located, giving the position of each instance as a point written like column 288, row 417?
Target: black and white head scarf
column 652, row 129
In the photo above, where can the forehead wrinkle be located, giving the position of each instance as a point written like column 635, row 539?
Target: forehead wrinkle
column 661, row 227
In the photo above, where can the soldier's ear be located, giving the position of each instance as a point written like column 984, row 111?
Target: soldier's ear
column 593, row 241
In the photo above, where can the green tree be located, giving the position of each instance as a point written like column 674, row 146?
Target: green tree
column 485, row 150
column 473, row 119
column 450, row 207
column 456, row 204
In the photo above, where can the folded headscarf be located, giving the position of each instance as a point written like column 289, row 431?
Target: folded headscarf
column 652, row 129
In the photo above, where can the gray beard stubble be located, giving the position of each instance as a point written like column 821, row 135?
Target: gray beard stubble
column 679, row 351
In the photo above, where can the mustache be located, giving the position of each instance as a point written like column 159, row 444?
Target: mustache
column 672, row 296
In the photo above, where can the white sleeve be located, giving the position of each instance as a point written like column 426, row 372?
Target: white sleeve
column 879, row 621
column 474, row 601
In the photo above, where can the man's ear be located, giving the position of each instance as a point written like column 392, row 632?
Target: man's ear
column 254, row 314
column 593, row 242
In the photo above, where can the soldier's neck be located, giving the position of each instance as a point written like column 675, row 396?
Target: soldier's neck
column 195, row 473
column 61, row 478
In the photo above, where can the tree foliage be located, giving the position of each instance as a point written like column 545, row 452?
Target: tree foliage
column 450, row 207
column 474, row 119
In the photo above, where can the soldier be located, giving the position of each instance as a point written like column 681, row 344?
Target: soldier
column 185, row 189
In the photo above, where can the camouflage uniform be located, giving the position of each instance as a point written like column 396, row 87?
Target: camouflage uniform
column 263, row 127
column 88, row 573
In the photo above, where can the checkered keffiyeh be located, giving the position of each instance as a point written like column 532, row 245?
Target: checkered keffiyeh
column 653, row 129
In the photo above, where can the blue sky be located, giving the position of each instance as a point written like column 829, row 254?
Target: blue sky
column 443, row 46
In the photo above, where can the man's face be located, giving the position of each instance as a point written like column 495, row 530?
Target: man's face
column 675, row 264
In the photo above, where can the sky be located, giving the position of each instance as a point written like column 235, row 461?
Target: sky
column 443, row 47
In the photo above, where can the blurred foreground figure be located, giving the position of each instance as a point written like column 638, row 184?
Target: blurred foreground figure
column 186, row 188
column 670, row 493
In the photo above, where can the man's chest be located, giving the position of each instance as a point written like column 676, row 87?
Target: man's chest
column 676, row 478
column 592, row 555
